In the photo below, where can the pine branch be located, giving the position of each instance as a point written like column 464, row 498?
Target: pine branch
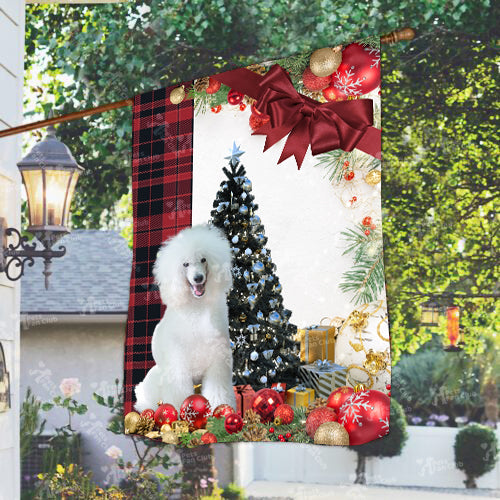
column 371, row 41
column 204, row 102
column 295, row 65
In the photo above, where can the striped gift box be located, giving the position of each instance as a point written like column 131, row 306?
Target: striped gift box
column 323, row 376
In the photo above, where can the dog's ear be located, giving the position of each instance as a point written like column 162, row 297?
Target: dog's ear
column 220, row 258
column 166, row 272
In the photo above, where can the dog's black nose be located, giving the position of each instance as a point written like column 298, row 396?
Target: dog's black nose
column 198, row 278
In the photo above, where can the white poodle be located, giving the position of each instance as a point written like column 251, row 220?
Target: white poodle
column 190, row 344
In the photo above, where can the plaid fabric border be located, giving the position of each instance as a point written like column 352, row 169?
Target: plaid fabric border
column 162, row 172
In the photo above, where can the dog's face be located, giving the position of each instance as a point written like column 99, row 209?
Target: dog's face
column 196, row 273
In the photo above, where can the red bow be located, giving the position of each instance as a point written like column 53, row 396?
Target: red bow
column 324, row 126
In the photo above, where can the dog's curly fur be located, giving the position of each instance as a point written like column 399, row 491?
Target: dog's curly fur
column 190, row 344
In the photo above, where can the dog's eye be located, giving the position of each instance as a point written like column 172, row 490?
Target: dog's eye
column 186, row 264
column 203, row 260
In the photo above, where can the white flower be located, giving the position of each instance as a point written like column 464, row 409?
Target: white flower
column 70, row 386
column 114, row 452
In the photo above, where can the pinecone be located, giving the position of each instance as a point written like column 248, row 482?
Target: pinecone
column 144, row 425
column 317, row 403
column 251, row 417
column 257, row 68
column 317, row 96
column 195, row 442
column 255, row 433
column 201, row 84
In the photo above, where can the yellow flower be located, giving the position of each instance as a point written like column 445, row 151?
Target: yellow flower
column 60, row 469
column 70, row 468
column 40, row 476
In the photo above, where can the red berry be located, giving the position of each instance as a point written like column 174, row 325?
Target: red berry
column 271, row 429
column 367, row 221
column 234, row 97
column 388, row 387
column 373, row 226
column 281, row 436
column 389, row 393
column 354, row 198
column 216, row 109
column 346, row 163
column 243, row 106
column 213, row 86
column 288, row 435
column 367, row 232
column 349, row 176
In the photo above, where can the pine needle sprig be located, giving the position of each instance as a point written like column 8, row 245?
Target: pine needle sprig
column 203, row 102
column 333, row 162
column 295, row 65
column 371, row 41
column 366, row 278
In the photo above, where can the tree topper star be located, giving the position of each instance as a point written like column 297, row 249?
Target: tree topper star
column 234, row 154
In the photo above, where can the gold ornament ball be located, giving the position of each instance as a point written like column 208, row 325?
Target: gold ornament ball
column 373, row 178
column 170, row 437
column 177, row 95
column 268, row 336
column 325, row 61
column 131, row 420
column 199, row 432
column 332, row 434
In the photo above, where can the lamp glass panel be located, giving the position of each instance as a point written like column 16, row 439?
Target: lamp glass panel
column 71, row 192
column 55, row 195
column 34, row 190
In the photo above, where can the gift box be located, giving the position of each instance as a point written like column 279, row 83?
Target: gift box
column 323, row 376
column 244, row 396
column 299, row 396
column 279, row 387
column 317, row 342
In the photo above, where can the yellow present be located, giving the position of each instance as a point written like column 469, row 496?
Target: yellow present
column 317, row 342
column 299, row 396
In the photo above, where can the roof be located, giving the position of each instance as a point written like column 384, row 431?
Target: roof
column 92, row 278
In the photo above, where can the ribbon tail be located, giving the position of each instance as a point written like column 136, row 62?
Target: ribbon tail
column 297, row 143
column 371, row 142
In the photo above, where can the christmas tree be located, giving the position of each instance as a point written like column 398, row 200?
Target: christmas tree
column 261, row 335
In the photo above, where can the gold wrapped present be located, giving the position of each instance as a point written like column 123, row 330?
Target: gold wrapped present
column 299, row 396
column 318, row 342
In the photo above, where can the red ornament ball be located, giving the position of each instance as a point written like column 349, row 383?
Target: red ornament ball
column 208, row 438
column 332, row 93
column 285, row 413
column 233, row 423
column 216, row 109
column 359, row 72
column 257, row 121
column 165, row 414
column 148, row 414
column 288, row 435
column 243, row 106
column 317, row 417
column 389, row 394
column 213, row 86
column 265, row 402
column 313, row 82
column 367, row 221
column 195, row 410
column 365, row 416
column 349, row 176
column 281, row 437
column 338, row 397
column 222, row 411
column 388, row 387
column 367, row 232
column 271, row 430
column 234, row 97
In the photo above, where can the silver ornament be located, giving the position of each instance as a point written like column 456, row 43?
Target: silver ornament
column 277, row 287
column 248, row 251
column 260, row 315
column 235, row 239
column 226, row 223
column 258, row 267
column 268, row 354
column 243, row 196
column 252, row 299
column 235, row 250
column 263, row 379
column 278, row 360
column 246, row 373
column 246, row 274
column 252, row 287
column 274, row 318
column 272, row 373
column 243, row 209
column 273, row 303
column 247, row 185
column 255, row 220
column 254, row 355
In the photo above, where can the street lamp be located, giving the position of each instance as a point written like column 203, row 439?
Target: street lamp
column 50, row 173
column 429, row 314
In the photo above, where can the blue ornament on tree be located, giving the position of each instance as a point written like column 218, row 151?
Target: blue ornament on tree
column 258, row 267
column 274, row 318
column 243, row 209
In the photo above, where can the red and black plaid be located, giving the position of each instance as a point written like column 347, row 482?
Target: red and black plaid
column 162, row 173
